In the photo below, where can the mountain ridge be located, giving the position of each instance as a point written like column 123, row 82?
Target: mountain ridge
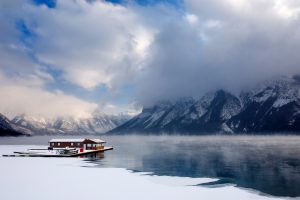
column 271, row 106
column 8, row 128
column 96, row 124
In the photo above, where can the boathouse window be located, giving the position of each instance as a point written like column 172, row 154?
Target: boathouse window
column 58, row 144
column 52, row 144
column 78, row 144
column 72, row 144
column 89, row 145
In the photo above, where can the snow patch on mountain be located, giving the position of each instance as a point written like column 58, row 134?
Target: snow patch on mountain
column 231, row 108
column 180, row 108
column 281, row 102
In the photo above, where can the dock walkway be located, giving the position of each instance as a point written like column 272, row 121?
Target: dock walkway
column 26, row 154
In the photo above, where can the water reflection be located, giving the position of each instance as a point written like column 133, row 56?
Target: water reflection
column 269, row 170
column 267, row 164
column 95, row 157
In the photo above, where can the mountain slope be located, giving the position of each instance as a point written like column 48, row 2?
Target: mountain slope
column 7, row 128
column 272, row 106
column 185, row 115
column 98, row 123
column 211, row 111
column 158, row 117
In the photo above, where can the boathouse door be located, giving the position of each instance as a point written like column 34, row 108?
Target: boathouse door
column 84, row 146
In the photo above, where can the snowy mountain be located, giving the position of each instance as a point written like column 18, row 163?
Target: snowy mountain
column 272, row 106
column 98, row 123
column 158, row 117
column 186, row 115
column 8, row 128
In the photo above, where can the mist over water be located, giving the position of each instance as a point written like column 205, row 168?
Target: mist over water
column 268, row 164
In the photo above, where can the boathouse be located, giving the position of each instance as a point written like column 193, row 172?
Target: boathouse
column 82, row 144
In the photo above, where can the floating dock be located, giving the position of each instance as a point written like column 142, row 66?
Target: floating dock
column 86, row 152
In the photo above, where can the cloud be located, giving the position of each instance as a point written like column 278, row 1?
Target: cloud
column 159, row 50
column 32, row 99
column 231, row 45
column 85, row 44
column 92, row 43
column 131, row 109
column 13, row 53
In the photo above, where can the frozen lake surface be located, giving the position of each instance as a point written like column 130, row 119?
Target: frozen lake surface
column 160, row 167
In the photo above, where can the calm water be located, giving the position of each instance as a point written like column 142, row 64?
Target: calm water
column 269, row 164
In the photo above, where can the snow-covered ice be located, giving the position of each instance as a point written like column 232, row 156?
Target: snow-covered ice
column 73, row 178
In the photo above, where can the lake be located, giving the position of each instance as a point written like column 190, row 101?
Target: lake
column 263, row 166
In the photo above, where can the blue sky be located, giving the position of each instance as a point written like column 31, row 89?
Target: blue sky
column 49, row 3
column 178, row 3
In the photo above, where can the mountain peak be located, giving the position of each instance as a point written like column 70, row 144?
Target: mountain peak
column 273, row 105
column 98, row 123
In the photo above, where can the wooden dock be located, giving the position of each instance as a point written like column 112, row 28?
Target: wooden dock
column 27, row 154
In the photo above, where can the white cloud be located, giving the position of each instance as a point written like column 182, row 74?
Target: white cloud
column 92, row 43
column 162, row 51
column 287, row 9
column 32, row 99
column 191, row 18
column 13, row 53
column 131, row 109
column 233, row 44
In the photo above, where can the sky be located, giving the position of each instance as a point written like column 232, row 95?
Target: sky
column 76, row 57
